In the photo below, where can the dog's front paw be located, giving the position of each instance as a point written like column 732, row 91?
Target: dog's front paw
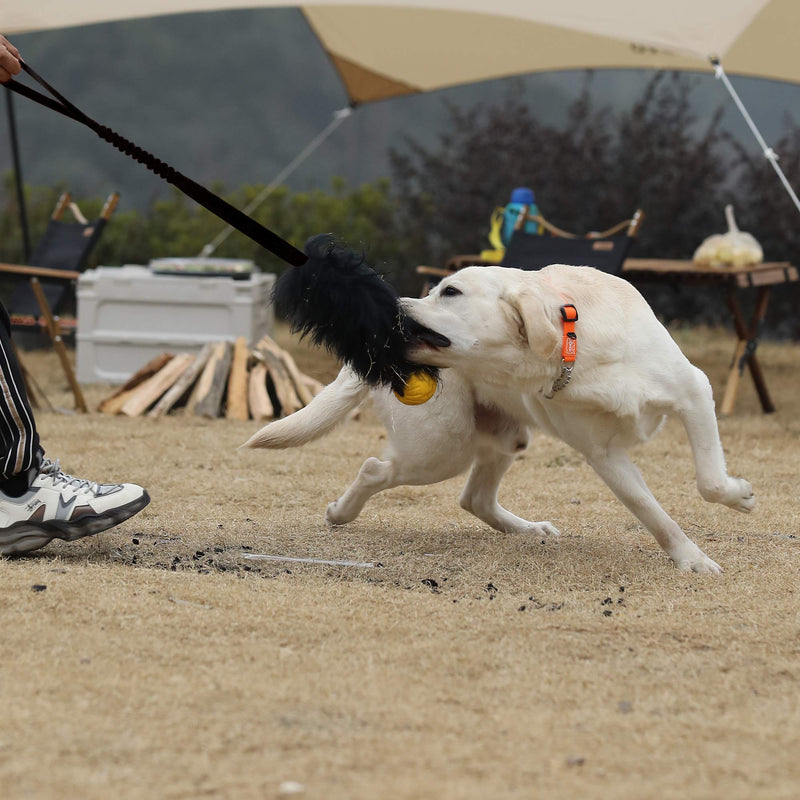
column 740, row 495
column 693, row 559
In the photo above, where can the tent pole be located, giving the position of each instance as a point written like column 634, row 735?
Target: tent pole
column 338, row 117
column 768, row 152
column 23, row 214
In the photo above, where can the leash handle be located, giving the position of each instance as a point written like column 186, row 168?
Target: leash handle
column 216, row 205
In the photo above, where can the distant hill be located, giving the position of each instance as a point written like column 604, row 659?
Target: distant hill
column 233, row 96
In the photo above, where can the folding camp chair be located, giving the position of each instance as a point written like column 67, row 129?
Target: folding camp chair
column 604, row 250
column 56, row 264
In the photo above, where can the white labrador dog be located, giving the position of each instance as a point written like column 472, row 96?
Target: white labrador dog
column 503, row 372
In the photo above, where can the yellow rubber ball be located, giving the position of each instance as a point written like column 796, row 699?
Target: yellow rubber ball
column 419, row 388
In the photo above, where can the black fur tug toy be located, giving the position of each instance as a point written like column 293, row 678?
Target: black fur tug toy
column 338, row 300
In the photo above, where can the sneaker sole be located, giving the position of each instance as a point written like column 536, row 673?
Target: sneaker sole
column 24, row 537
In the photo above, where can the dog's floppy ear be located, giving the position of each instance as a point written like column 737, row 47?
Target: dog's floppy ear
column 533, row 320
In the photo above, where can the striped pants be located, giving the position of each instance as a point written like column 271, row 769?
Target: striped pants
column 18, row 437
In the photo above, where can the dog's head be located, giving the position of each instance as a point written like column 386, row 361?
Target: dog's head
column 492, row 317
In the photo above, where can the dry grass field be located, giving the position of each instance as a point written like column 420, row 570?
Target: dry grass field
column 156, row 661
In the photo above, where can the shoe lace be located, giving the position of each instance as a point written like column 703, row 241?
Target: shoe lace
column 53, row 470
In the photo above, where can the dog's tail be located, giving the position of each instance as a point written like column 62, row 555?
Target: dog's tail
column 320, row 416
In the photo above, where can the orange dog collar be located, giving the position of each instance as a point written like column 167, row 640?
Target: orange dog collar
column 569, row 348
column 569, row 343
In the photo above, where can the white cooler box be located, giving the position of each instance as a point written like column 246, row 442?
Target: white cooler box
column 129, row 315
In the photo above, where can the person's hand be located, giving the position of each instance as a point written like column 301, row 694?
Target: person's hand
column 9, row 60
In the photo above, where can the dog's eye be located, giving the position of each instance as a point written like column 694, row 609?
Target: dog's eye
column 451, row 291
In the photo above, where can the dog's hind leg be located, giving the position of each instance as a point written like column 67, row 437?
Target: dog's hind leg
column 373, row 477
column 699, row 418
column 396, row 469
column 627, row 483
column 479, row 496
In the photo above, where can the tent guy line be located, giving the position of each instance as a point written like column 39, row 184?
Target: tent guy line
column 768, row 152
column 339, row 116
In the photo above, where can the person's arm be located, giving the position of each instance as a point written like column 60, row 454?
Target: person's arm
column 9, row 60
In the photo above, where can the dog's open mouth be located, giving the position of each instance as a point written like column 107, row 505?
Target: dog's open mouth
column 417, row 335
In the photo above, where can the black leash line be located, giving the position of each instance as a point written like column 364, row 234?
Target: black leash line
column 216, row 205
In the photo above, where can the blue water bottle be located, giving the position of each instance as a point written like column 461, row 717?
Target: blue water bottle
column 522, row 201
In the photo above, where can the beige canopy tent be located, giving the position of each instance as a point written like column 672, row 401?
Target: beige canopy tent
column 387, row 48
column 390, row 48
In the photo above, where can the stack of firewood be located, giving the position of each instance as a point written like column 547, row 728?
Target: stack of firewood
column 224, row 379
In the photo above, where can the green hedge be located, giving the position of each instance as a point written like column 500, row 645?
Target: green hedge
column 364, row 216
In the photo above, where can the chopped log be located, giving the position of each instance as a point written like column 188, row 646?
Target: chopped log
column 284, row 388
column 149, row 391
column 184, row 382
column 203, row 385
column 303, row 392
column 270, row 345
column 257, row 394
column 113, row 405
column 267, row 343
column 265, row 383
column 114, row 402
column 237, row 383
column 209, row 401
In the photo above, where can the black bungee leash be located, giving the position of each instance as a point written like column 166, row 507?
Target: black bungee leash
column 216, row 205
column 333, row 295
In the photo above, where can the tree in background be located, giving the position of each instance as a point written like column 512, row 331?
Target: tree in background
column 588, row 175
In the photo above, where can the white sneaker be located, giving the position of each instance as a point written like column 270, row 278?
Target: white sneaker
column 58, row 506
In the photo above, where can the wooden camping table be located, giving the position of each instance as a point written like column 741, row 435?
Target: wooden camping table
column 760, row 277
